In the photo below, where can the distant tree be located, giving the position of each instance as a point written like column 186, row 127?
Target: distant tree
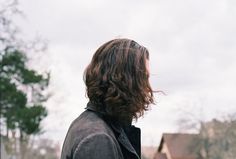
column 216, row 139
column 21, row 88
column 21, row 93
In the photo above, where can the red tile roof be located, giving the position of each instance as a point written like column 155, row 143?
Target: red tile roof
column 160, row 156
column 180, row 146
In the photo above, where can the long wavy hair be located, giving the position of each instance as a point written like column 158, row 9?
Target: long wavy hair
column 117, row 79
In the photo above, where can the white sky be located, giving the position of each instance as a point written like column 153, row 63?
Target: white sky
column 192, row 48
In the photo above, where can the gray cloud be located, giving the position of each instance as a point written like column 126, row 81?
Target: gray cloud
column 191, row 44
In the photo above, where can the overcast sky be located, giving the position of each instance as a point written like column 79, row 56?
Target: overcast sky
column 192, row 47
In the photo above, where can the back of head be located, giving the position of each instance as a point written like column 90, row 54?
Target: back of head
column 117, row 79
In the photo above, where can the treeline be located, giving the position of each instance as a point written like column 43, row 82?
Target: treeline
column 22, row 89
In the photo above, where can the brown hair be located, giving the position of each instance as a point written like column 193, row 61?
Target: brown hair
column 117, row 79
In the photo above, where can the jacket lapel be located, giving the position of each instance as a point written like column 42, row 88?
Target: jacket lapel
column 123, row 139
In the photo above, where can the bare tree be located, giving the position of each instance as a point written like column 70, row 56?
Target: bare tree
column 216, row 138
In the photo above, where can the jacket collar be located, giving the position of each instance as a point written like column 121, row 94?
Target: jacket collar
column 92, row 107
column 117, row 128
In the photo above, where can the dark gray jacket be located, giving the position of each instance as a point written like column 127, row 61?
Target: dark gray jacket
column 91, row 136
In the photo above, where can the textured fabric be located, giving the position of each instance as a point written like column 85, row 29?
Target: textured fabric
column 89, row 148
column 91, row 136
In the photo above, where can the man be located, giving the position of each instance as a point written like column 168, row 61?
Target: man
column 119, row 92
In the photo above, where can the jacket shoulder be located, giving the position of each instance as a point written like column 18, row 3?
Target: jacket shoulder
column 96, row 146
column 88, row 123
column 83, row 130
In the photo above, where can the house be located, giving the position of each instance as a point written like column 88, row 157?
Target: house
column 3, row 153
column 148, row 152
column 160, row 156
column 177, row 146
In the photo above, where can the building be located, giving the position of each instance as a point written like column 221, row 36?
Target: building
column 177, row 146
column 3, row 153
column 148, row 152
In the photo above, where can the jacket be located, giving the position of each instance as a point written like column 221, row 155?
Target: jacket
column 91, row 136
